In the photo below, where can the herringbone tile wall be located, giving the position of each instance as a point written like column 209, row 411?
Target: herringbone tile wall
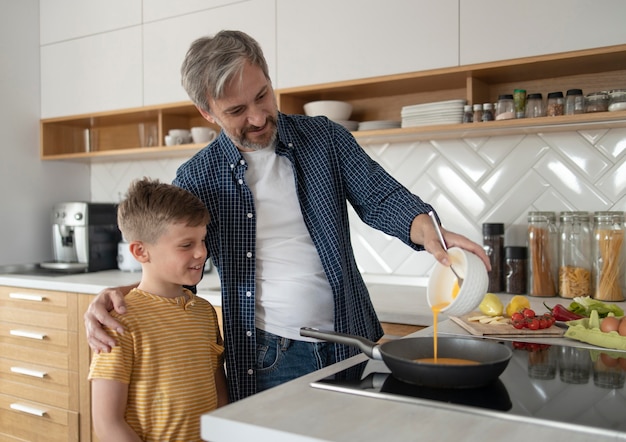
column 469, row 181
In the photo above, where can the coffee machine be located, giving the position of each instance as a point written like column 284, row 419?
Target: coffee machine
column 84, row 237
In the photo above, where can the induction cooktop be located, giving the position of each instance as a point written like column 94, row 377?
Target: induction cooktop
column 555, row 384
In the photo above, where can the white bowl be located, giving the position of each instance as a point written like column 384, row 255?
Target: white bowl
column 335, row 110
column 475, row 283
column 202, row 134
column 180, row 136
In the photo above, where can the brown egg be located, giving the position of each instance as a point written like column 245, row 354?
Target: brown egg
column 622, row 327
column 609, row 324
column 608, row 361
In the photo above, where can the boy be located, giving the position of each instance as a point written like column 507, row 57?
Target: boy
column 168, row 367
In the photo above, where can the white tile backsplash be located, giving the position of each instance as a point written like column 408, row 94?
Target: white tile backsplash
column 469, row 181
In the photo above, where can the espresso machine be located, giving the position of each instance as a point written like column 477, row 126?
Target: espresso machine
column 84, row 237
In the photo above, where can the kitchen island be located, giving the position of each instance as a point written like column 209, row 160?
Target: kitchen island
column 296, row 411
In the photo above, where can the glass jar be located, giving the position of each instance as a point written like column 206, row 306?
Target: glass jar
column 597, row 102
column 574, row 255
column 488, row 112
column 468, row 113
column 478, row 113
column 574, row 102
column 542, row 253
column 505, row 109
column 493, row 243
column 608, row 256
column 617, row 100
column 515, row 269
column 534, row 106
column 519, row 102
column 555, row 105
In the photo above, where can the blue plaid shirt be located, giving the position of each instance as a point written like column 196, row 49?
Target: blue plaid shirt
column 330, row 168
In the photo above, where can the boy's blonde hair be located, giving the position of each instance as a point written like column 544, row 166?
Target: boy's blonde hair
column 150, row 206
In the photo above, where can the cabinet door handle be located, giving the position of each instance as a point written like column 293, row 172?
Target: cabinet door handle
column 29, row 372
column 27, row 334
column 28, row 409
column 27, row 296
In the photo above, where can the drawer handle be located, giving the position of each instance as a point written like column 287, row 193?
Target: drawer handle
column 28, row 409
column 29, row 372
column 27, row 334
column 27, row 296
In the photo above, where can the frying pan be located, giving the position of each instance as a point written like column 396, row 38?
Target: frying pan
column 399, row 356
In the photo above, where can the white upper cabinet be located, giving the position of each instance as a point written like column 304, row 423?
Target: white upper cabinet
column 91, row 74
column 160, row 9
column 328, row 40
column 166, row 42
column 492, row 30
column 67, row 19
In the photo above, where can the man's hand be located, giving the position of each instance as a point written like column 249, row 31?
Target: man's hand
column 97, row 315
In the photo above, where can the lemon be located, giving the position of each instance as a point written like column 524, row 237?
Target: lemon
column 491, row 305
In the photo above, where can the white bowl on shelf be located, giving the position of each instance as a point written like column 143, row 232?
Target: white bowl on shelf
column 335, row 110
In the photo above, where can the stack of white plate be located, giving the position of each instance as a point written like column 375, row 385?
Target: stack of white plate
column 427, row 114
column 378, row 125
column 349, row 124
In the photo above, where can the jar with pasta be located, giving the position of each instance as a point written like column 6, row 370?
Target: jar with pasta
column 574, row 255
column 542, row 253
column 608, row 256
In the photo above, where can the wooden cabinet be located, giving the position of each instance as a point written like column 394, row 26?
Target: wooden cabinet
column 121, row 135
column 39, row 377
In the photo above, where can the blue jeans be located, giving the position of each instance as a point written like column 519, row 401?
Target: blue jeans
column 280, row 359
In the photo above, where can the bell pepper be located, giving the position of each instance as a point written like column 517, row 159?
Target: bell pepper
column 561, row 313
column 491, row 305
column 517, row 304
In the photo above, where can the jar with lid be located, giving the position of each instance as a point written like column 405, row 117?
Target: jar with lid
column 597, row 102
column 493, row 243
column 515, row 269
column 542, row 253
column 468, row 113
column 574, row 102
column 617, row 100
column 574, row 255
column 505, row 109
column 555, row 105
column 519, row 102
column 478, row 113
column 534, row 106
column 608, row 256
column 487, row 112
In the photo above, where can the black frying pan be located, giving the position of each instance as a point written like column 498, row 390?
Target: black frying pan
column 399, row 356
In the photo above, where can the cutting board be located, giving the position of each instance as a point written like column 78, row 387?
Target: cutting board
column 478, row 329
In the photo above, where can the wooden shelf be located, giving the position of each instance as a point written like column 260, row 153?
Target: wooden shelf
column 130, row 134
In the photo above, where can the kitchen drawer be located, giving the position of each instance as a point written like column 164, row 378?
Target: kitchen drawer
column 30, row 336
column 63, row 360
column 52, row 386
column 33, row 298
column 53, row 425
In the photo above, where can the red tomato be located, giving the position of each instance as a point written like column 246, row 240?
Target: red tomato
column 533, row 324
column 528, row 313
column 517, row 316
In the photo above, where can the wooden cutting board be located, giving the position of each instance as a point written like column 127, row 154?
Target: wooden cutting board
column 478, row 329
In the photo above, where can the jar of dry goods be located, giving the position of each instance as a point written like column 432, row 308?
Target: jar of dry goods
column 515, row 269
column 478, row 113
column 468, row 113
column 608, row 256
column 519, row 102
column 488, row 112
column 574, row 255
column 493, row 243
column 542, row 253
column 505, row 109
column 534, row 106
column 597, row 102
column 574, row 102
column 555, row 105
column 617, row 100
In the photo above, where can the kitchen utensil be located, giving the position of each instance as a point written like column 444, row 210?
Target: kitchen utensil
column 400, row 357
column 201, row 134
column 335, row 110
column 443, row 244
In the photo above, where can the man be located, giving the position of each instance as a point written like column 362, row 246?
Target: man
column 276, row 187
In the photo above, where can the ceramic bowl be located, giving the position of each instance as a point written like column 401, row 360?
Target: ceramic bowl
column 202, row 134
column 441, row 283
column 180, row 136
column 335, row 110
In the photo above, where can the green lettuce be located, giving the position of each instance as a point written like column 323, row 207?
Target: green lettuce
column 584, row 305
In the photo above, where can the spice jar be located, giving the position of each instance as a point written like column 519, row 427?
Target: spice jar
column 534, row 106
column 468, row 113
column 597, row 102
column 555, row 105
column 574, row 255
column 542, row 253
column 617, row 100
column 488, row 112
column 519, row 102
column 515, row 269
column 574, row 102
column 505, row 109
column 478, row 113
column 493, row 243
column 608, row 256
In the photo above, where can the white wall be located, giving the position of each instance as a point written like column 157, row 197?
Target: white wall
column 28, row 186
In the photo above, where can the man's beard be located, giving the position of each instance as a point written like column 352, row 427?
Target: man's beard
column 243, row 141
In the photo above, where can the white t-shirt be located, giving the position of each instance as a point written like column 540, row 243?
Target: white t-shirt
column 292, row 290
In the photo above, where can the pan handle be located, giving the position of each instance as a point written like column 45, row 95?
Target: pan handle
column 368, row 347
